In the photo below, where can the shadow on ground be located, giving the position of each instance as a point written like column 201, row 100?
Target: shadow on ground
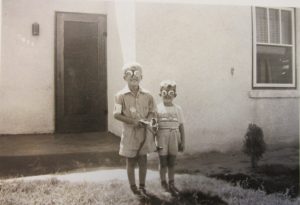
column 190, row 197
column 274, row 178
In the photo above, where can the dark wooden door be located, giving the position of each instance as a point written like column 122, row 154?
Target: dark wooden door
column 81, row 90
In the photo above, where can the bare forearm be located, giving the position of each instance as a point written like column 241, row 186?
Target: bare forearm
column 125, row 119
column 132, row 121
column 182, row 133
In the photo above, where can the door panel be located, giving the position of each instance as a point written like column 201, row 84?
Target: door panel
column 81, row 96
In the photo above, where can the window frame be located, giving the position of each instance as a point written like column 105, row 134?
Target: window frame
column 256, row 85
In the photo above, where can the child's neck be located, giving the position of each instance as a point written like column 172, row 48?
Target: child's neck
column 134, row 89
column 168, row 104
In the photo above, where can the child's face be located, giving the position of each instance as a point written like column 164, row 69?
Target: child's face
column 133, row 76
column 168, row 95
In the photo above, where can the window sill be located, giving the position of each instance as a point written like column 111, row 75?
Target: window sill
column 274, row 94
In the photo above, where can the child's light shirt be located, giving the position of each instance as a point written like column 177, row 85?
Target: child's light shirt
column 169, row 120
column 169, row 116
column 137, row 107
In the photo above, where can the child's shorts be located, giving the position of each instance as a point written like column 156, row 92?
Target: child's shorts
column 168, row 139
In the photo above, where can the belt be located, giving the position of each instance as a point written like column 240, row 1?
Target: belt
column 168, row 128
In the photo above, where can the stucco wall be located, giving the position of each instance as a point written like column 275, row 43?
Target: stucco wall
column 27, row 73
column 0, row 36
column 197, row 46
column 121, row 35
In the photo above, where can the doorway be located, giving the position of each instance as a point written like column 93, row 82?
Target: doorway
column 80, row 73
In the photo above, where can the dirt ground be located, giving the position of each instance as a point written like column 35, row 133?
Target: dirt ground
column 238, row 162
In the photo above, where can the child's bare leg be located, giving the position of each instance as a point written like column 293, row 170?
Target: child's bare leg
column 163, row 167
column 171, row 167
column 130, row 166
column 142, row 162
column 171, row 173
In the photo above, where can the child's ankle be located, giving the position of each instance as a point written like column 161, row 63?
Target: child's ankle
column 134, row 188
column 142, row 186
column 163, row 182
column 164, row 185
column 171, row 182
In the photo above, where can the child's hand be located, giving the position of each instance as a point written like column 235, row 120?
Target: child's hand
column 181, row 147
column 136, row 123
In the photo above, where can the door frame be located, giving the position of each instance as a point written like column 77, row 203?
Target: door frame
column 59, row 72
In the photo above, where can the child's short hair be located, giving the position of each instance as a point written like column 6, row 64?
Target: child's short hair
column 168, row 84
column 130, row 65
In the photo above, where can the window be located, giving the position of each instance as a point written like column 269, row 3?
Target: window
column 273, row 48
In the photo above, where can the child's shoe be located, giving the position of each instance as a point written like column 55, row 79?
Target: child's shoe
column 143, row 192
column 165, row 186
column 136, row 192
column 174, row 191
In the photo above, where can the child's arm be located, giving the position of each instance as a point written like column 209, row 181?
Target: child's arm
column 127, row 120
column 152, row 109
column 118, row 113
column 181, row 130
column 182, row 136
column 151, row 115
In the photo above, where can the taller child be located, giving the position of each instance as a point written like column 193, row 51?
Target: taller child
column 133, row 104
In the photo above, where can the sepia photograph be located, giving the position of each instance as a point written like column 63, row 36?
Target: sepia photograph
column 149, row 102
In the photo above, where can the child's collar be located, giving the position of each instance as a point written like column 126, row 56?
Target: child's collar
column 127, row 90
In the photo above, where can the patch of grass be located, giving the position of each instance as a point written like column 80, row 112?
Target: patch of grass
column 195, row 189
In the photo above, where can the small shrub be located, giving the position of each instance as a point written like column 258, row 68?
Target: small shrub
column 254, row 144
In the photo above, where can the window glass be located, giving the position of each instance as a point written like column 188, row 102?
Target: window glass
column 274, row 26
column 286, row 25
column 274, row 64
column 274, row 48
column 261, row 25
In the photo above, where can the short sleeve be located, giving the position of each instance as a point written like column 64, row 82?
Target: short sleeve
column 118, row 105
column 181, row 119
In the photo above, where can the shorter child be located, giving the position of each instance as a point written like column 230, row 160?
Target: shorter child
column 170, row 136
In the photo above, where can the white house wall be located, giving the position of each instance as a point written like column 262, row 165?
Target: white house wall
column 27, row 72
column 0, row 36
column 198, row 46
column 121, row 48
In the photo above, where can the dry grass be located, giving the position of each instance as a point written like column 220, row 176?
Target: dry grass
column 54, row 192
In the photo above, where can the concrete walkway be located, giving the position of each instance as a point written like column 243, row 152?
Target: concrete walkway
column 94, row 176
column 26, row 155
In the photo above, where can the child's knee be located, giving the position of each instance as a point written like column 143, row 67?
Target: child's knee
column 131, row 162
column 163, row 161
column 142, row 160
column 171, row 161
